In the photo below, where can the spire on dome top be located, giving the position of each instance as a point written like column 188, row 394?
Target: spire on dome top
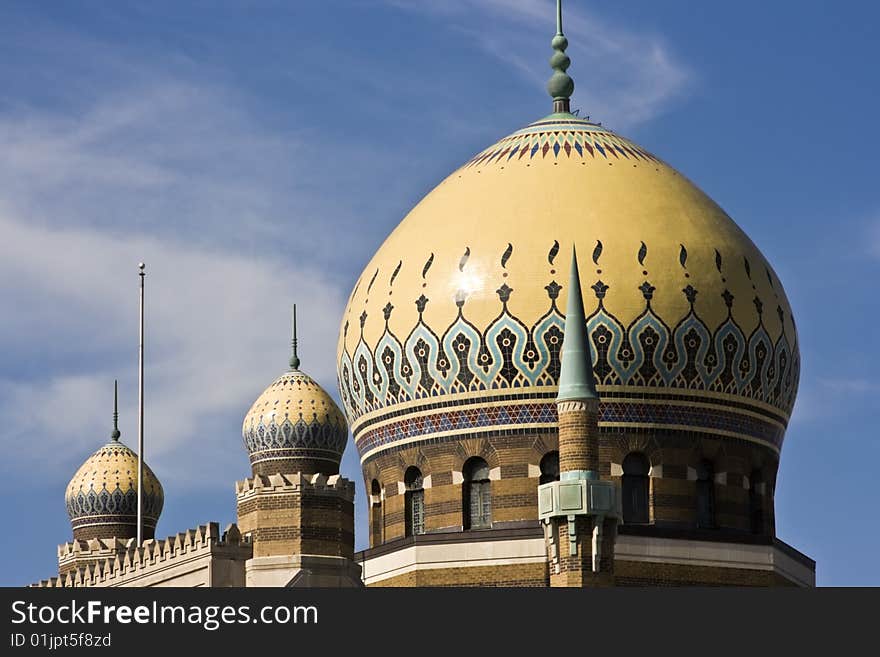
column 576, row 379
column 115, row 435
column 294, row 358
column 560, row 86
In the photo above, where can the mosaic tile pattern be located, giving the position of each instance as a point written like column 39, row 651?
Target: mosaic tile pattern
column 554, row 139
column 488, row 416
column 648, row 352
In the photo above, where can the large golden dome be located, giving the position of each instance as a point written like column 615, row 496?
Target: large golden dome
column 454, row 327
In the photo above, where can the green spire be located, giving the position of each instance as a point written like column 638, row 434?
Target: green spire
column 560, row 86
column 576, row 379
column 115, row 435
column 294, row 358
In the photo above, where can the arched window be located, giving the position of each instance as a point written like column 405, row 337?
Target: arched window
column 635, row 488
column 705, row 495
column 376, row 492
column 477, row 496
column 549, row 467
column 376, row 514
column 414, row 499
column 756, row 502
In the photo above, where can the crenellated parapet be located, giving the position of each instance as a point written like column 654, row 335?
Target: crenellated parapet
column 196, row 557
column 78, row 554
column 336, row 485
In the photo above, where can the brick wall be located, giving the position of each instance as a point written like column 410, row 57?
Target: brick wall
column 306, row 465
column 516, row 575
column 300, row 519
column 514, row 461
column 638, row 573
column 513, row 486
column 112, row 530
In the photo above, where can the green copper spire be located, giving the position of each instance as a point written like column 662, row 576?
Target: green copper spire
column 294, row 358
column 115, row 435
column 560, row 86
column 576, row 379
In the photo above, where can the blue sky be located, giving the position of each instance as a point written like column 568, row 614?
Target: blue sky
column 257, row 153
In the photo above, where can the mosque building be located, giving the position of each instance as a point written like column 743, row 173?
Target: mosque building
column 567, row 366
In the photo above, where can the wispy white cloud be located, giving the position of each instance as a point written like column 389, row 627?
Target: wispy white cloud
column 622, row 77
column 170, row 157
column 216, row 337
column 231, row 224
column 850, row 386
column 822, row 400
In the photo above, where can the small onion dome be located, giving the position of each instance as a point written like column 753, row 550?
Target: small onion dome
column 295, row 426
column 102, row 496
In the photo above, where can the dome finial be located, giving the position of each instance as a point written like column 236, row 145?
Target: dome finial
column 560, row 86
column 115, row 435
column 294, row 358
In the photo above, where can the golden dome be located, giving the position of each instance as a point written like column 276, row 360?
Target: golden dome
column 295, row 426
column 103, row 493
column 454, row 328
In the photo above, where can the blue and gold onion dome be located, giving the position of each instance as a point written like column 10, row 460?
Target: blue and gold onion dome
column 102, row 496
column 454, row 328
column 294, row 426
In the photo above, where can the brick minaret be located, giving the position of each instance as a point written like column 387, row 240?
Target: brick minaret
column 579, row 512
column 296, row 510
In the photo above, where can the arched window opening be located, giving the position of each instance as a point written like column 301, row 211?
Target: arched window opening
column 634, row 484
column 756, row 502
column 705, row 495
column 376, row 520
column 549, row 467
column 414, row 500
column 476, row 493
column 376, row 492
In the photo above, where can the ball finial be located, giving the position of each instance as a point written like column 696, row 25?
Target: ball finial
column 561, row 86
column 294, row 356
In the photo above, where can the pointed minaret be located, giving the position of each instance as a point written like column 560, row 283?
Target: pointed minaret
column 579, row 512
column 577, row 402
column 561, row 86
column 296, row 508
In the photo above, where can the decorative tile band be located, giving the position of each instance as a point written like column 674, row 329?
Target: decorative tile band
column 561, row 139
column 91, row 507
column 459, row 360
column 524, row 415
column 292, row 439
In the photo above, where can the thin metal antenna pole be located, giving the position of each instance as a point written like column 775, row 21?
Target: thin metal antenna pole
column 140, row 475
